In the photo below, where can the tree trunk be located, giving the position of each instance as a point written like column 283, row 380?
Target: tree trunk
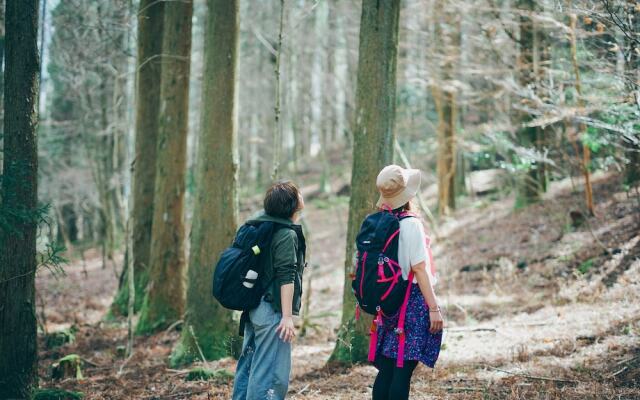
column 215, row 208
column 372, row 149
column 320, row 114
column 18, row 347
column 532, row 182
column 586, row 151
column 445, row 101
column 632, row 70
column 2, row 45
column 150, row 23
column 277, row 133
column 447, row 34
column 164, row 300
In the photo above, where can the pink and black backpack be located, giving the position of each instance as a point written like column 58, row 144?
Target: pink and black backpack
column 377, row 282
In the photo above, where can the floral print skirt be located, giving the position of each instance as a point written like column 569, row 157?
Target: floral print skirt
column 420, row 344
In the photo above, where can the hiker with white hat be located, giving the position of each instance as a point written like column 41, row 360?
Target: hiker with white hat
column 393, row 280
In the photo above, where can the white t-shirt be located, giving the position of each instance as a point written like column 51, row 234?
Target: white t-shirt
column 412, row 246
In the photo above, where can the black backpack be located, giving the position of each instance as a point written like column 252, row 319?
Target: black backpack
column 233, row 287
column 377, row 282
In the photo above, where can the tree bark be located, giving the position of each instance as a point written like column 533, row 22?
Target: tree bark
column 372, row 149
column 586, row 151
column 150, row 24
column 632, row 70
column 533, row 180
column 448, row 38
column 164, row 300
column 2, row 45
column 215, row 208
column 19, row 213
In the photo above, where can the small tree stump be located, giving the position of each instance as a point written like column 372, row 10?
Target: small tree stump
column 67, row 367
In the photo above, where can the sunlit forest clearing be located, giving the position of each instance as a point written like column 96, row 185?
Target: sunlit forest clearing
column 138, row 136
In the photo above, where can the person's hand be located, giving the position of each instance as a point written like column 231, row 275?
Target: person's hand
column 286, row 330
column 437, row 323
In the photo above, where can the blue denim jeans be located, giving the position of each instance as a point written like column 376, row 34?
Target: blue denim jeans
column 265, row 363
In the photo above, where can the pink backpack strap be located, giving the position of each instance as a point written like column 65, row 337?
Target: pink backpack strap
column 401, row 318
column 373, row 341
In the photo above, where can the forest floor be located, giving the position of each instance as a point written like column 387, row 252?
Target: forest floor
column 537, row 306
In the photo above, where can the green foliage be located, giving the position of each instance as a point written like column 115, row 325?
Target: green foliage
column 56, row 394
column 52, row 257
column 585, row 266
column 10, row 217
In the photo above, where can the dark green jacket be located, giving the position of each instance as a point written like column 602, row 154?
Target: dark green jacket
column 283, row 262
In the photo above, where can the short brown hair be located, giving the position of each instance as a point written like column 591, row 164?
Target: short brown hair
column 282, row 199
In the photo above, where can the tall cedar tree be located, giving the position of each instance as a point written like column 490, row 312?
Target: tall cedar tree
column 19, row 212
column 372, row 149
column 164, row 300
column 150, row 23
column 215, row 210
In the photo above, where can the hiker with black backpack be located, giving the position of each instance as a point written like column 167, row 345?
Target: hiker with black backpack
column 393, row 281
column 261, row 275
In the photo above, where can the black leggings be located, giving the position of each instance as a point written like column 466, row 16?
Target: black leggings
column 392, row 383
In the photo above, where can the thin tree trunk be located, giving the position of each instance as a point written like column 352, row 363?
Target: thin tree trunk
column 531, row 183
column 632, row 71
column 447, row 33
column 372, row 149
column 18, row 347
column 277, row 137
column 164, row 300
column 586, row 151
column 446, row 166
column 215, row 208
column 149, row 65
column 320, row 113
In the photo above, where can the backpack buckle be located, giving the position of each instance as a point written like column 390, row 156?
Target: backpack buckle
column 386, row 259
column 380, row 260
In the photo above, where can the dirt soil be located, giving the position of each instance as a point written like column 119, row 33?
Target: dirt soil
column 538, row 305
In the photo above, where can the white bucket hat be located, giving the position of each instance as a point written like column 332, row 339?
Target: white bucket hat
column 397, row 186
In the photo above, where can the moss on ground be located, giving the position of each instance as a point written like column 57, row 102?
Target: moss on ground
column 215, row 343
column 56, row 394
column 206, row 374
column 353, row 348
